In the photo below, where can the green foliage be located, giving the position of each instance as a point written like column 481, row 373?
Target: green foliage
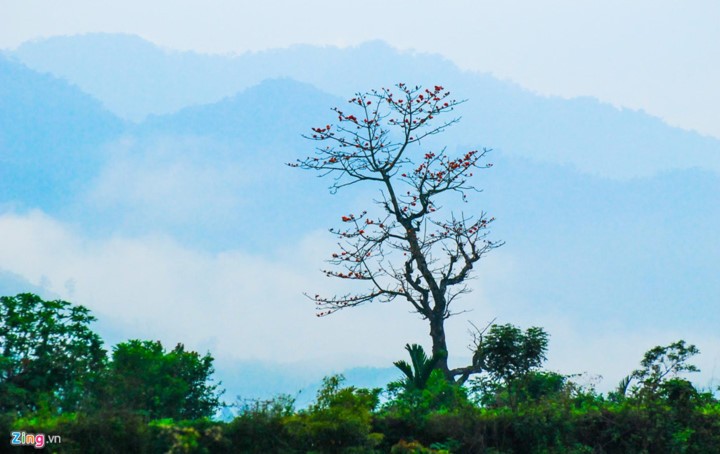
column 49, row 356
column 200, row 436
column 531, row 386
column 438, row 396
column 410, row 447
column 664, row 363
column 338, row 422
column 407, row 417
column 144, row 377
column 260, row 426
column 506, row 353
column 417, row 374
column 508, row 358
column 106, row 432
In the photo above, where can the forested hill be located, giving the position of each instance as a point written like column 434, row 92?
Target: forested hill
column 50, row 134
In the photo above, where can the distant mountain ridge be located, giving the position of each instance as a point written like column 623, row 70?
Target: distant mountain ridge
column 49, row 134
column 273, row 112
column 135, row 78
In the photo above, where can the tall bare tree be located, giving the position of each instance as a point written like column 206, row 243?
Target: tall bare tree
column 404, row 249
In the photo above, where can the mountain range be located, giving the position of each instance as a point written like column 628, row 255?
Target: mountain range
column 609, row 215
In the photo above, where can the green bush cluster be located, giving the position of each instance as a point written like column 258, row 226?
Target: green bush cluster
column 144, row 399
column 442, row 418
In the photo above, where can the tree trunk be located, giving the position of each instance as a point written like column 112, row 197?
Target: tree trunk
column 439, row 345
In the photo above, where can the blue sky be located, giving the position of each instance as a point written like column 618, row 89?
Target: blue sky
column 144, row 279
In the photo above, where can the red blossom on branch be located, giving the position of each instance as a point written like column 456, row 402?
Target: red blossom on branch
column 404, row 250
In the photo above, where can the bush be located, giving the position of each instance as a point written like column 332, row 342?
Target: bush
column 260, row 426
column 409, row 411
column 201, row 436
column 339, row 421
column 105, row 432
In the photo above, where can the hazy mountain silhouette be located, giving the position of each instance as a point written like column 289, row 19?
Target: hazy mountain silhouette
column 273, row 113
column 49, row 133
column 130, row 76
column 135, row 78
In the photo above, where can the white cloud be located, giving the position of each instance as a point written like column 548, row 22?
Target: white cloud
column 240, row 305
column 171, row 180
column 244, row 306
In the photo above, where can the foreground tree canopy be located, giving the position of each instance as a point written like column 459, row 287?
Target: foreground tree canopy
column 48, row 353
column 408, row 248
column 174, row 384
column 52, row 361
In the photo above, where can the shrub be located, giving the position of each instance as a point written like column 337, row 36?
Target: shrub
column 260, row 426
column 339, row 421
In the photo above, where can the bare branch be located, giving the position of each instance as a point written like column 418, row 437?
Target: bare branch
column 377, row 139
